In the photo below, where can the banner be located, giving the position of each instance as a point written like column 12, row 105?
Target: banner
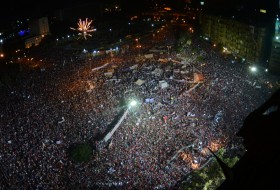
column 149, row 100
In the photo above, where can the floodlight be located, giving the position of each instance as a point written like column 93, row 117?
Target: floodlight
column 133, row 103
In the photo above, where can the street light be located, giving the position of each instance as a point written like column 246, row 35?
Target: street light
column 132, row 103
column 168, row 48
column 138, row 46
column 253, row 69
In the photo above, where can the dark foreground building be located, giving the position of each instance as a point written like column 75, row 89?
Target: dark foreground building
column 259, row 167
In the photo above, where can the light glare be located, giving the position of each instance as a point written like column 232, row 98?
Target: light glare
column 133, row 103
column 253, row 69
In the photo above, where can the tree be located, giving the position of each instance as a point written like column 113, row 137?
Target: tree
column 211, row 176
column 81, row 152
column 9, row 74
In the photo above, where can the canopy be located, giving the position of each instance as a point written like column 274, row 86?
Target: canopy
column 139, row 82
column 197, row 77
column 163, row 84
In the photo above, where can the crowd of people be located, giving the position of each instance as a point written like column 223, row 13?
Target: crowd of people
column 66, row 98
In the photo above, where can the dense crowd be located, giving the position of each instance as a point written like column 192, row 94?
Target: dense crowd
column 68, row 99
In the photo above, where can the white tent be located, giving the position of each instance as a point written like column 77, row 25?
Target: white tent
column 157, row 72
column 149, row 56
column 176, row 70
column 148, row 67
column 134, row 66
column 108, row 74
column 163, row 84
column 139, row 82
column 139, row 58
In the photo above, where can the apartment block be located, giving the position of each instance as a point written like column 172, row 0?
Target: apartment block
column 239, row 38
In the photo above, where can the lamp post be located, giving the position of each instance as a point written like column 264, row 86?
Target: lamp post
column 131, row 104
column 138, row 46
column 168, row 48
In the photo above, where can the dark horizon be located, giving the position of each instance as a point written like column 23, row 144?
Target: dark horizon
column 14, row 9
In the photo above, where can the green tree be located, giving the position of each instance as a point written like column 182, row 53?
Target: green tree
column 200, row 58
column 81, row 152
column 210, row 177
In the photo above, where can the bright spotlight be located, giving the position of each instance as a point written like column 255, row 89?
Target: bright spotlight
column 253, row 69
column 132, row 103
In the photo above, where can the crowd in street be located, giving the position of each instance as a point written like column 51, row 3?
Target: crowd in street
column 68, row 99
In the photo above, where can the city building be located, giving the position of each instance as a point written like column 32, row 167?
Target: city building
column 247, row 30
column 239, row 38
column 32, row 41
column 274, row 64
column 39, row 28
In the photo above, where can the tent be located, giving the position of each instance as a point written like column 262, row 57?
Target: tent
column 163, row 60
column 149, row 56
column 157, row 72
column 139, row 58
column 91, row 85
column 134, row 66
column 163, row 84
column 108, row 74
column 197, row 77
column 167, row 68
column 139, row 82
column 110, row 70
column 176, row 70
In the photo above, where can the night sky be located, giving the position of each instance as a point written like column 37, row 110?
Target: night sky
column 14, row 9
column 30, row 8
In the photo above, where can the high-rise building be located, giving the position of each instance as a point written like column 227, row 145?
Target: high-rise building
column 274, row 64
column 39, row 26
column 240, row 39
column 246, row 30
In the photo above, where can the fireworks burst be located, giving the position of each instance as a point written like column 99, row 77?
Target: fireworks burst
column 84, row 28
